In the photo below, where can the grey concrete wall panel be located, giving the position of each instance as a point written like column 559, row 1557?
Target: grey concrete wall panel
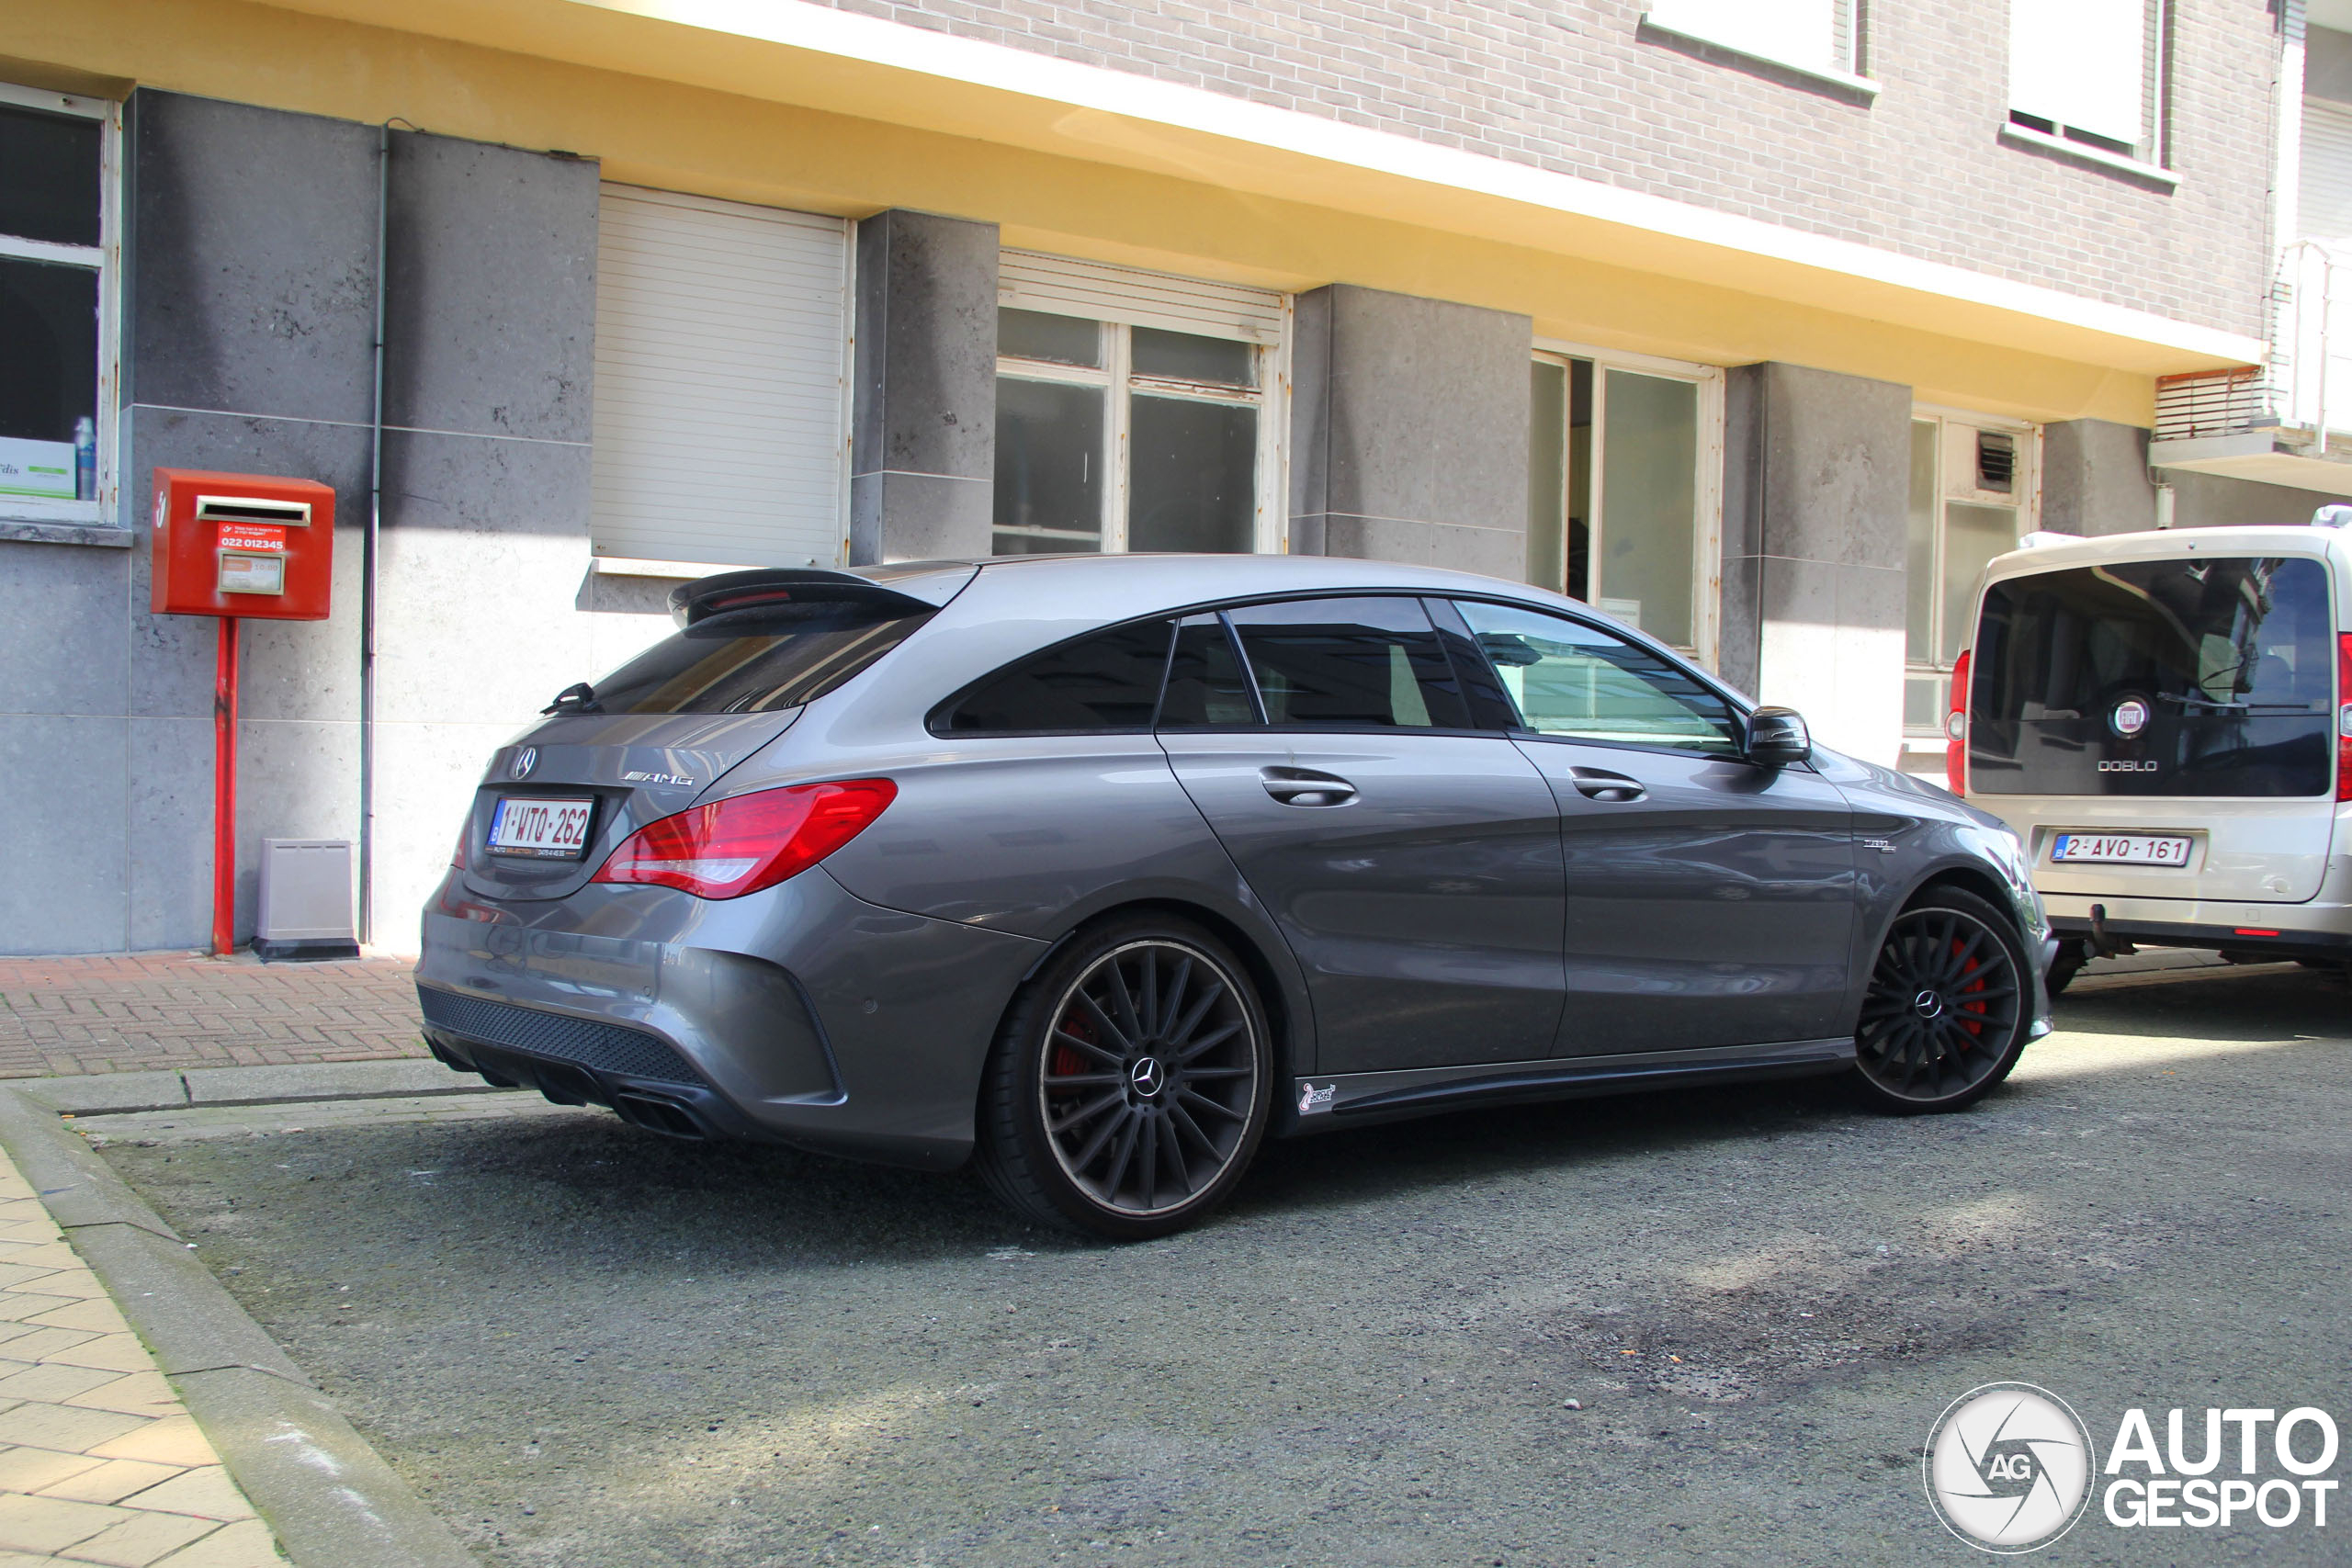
column 307, row 669
column 62, row 862
column 250, row 245
column 61, row 629
column 2210, row 501
column 1409, row 420
column 491, row 307
column 1835, row 472
column 168, row 835
column 2095, row 478
column 2327, row 64
column 925, row 398
column 1739, row 632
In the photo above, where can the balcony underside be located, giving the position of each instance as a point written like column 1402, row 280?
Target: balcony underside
column 2266, row 456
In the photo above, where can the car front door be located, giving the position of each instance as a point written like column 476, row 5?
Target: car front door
column 1709, row 901
column 1412, row 863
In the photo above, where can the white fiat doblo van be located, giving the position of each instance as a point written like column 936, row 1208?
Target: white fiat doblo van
column 2165, row 718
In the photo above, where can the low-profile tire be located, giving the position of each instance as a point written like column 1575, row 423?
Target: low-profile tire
column 2073, row 953
column 1130, row 1083
column 1950, row 998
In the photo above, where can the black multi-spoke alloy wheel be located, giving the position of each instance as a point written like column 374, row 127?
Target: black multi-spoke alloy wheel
column 1948, row 1002
column 1130, row 1083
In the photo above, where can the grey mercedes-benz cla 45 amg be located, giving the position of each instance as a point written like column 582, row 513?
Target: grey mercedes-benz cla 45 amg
column 1102, row 870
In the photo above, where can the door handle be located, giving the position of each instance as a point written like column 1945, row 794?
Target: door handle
column 1600, row 783
column 1305, row 787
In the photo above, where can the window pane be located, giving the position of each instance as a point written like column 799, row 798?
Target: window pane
column 1048, row 468
column 1923, row 702
column 49, row 176
column 1109, row 681
column 1205, row 686
column 1058, row 339
column 1192, row 479
column 2080, row 65
column 1181, row 357
column 1649, row 470
column 1357, row 663
column 1973, row 536
column 756, row 660
column 49, row 378
column 1799, row 32
column 1547, row 476
column 1573, row 680
column 1919, row 556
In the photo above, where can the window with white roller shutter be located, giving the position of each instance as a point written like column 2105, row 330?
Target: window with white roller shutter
column 1135, row 411
column 2090, row 72
column 2324, row 198
column 722, row 345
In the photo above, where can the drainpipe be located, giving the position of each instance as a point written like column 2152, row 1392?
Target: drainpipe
column 367, row 558
column 2163, row 502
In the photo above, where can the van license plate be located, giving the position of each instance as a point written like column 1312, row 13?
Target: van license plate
column 541, row 828
column 2121, row 848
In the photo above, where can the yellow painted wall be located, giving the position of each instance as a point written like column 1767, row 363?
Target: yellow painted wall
column 681, row 136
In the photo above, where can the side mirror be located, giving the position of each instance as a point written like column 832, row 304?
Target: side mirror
column 1776, row 737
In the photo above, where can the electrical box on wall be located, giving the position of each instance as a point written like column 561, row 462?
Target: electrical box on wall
column 250, row 546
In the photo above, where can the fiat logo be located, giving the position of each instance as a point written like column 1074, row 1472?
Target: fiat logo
column 2130, row 717
column 525, row 760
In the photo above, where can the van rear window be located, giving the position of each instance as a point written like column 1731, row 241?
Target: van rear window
column 756, row 660
column 2204, row 676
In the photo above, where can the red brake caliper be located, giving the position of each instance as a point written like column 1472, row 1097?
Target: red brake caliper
column 1974, row 1009
column 1067, row 1060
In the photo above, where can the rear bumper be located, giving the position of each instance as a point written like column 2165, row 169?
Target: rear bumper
column 857, row 1030
column 2283, row 939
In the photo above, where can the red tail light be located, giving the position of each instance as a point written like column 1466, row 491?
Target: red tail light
column 739, row 845
column 1956, row 729
column 2343, row 716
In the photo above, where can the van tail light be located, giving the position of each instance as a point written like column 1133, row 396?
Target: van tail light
column 741, row 844
column 2343, row 716
column 1956, row 729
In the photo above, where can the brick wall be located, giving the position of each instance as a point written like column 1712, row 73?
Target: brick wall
column 1572, row 88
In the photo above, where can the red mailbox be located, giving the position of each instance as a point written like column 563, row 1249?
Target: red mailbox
column 247, row 546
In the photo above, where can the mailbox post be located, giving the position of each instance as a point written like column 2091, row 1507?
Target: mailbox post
column 238, row 547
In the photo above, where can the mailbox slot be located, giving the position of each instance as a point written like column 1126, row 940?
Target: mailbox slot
column 252, row 509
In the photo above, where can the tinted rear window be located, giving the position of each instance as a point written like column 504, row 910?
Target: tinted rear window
column 756, row 660
column 2206, row 676
column 1108, row 681
column 1357, row 663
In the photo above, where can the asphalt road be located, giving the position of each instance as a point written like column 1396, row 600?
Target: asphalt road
column 591, row 1347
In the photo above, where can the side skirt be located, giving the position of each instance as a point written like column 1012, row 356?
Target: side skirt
column 1320, row 1104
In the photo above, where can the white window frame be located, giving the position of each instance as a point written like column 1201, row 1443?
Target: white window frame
column 106, row 260
column 1707, row 489
column 2026, row 498
column 1269, row 534
column 1846, row 68
column 2151, row 157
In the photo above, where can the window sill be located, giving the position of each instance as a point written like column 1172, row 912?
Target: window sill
column 1864, row 87
column 2025, row 136
column 59, row 522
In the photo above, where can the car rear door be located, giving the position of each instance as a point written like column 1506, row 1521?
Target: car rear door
column 1412, row 863
column 1709, row 901
column 2176, row 712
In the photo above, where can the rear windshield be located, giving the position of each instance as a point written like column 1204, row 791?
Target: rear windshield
column 2206, row 676
column 756, row 660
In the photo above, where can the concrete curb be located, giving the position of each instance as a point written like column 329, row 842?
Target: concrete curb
column 330, row 1497
column 102, row 1094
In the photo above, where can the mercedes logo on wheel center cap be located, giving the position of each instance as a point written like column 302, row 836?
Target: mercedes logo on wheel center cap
column 1145, row 1077
column 1927, row 1004
column 525, row 760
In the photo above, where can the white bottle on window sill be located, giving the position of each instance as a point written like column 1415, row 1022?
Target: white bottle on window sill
column 86, row 460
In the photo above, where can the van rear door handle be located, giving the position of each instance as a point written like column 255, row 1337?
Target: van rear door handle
column 1305, row 787
column 1600, row 783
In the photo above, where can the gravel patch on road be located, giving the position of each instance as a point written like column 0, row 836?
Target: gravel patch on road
column 588, row 1345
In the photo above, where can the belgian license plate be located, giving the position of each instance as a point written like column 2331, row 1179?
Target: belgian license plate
column 541, row 828
column 2121, row 848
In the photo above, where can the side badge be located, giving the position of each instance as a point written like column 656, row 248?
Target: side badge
column 1312, row 1101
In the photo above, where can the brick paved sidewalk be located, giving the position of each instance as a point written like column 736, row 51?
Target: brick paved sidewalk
column 127, row 1012
column 99, row 1463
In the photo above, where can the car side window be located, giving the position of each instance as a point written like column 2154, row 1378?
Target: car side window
column 1580, row 682
column 1207, row 688
column 1349, row 663
column 1107, row 682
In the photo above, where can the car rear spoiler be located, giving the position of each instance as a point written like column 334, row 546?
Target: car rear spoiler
column 917, row 589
